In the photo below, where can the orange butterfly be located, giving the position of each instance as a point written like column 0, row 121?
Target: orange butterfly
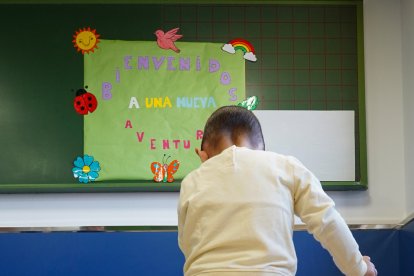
column 163, row 172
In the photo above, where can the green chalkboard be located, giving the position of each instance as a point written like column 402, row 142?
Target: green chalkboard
column 311, row 58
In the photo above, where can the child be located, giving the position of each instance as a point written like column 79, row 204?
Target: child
column 236, row 211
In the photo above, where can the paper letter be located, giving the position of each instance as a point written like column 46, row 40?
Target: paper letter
column 214, row 65
column 133, row 102
column 106, row 90
column 128, row 124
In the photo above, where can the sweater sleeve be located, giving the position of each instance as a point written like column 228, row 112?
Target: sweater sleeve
column 182, row 212
column 317, row 211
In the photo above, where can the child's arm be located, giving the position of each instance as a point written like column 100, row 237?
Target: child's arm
column 182, row 213
column 317, row 211
column 181, row 219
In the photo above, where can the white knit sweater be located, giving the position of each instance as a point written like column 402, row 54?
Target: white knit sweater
column 236, row 215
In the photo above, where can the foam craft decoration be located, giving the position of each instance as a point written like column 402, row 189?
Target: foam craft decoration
column 86, row 169
column 163, row 172
column 250, row 103
column 153, row 101
column 85, row 40
column 85, row 102
column 240, row 44
column 166, row 40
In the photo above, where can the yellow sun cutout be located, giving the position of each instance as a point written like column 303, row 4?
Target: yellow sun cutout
column 86, row 40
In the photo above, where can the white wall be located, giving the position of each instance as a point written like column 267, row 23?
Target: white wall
column 408, row 96
column 384, row 202
column 59, row 210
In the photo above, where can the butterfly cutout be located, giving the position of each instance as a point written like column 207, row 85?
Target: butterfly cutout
column 164, row 172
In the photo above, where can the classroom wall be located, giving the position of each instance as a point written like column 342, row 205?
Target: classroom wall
column 407, row 8
column 384, row 202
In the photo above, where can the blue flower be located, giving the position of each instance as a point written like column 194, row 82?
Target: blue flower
column 85, row 169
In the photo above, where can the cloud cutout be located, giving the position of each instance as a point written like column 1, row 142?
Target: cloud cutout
column 250, row 56
column 228, row 48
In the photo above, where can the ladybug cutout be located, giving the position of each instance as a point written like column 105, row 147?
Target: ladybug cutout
column 85, row 102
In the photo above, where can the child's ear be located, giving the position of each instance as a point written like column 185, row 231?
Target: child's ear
column 202, row 154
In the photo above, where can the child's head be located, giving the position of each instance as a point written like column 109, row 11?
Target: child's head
column 231, row 125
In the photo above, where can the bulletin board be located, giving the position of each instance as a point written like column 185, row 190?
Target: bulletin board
column 309, row 57
column 154, row 104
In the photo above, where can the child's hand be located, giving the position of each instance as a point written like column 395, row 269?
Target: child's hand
column 371, row 271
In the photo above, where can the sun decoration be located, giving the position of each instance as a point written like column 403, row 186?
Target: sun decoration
column 85, row 169
column 86, row 40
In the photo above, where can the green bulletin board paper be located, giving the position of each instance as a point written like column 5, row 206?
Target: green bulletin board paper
column 153, row 102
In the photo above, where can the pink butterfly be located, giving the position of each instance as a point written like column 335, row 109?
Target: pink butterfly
column 163, row 172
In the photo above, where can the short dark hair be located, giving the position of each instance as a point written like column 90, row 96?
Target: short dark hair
column 233, row 121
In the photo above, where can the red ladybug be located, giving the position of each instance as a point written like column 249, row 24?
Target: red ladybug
column 85, row 102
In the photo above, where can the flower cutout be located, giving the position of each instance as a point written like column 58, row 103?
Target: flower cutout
column 85, row 169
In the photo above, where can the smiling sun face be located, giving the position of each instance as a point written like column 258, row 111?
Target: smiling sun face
column 85, row 40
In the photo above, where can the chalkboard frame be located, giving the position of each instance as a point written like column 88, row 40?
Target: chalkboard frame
column 361, row 183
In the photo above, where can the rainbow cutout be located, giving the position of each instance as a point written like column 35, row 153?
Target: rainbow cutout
column 240, row 44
